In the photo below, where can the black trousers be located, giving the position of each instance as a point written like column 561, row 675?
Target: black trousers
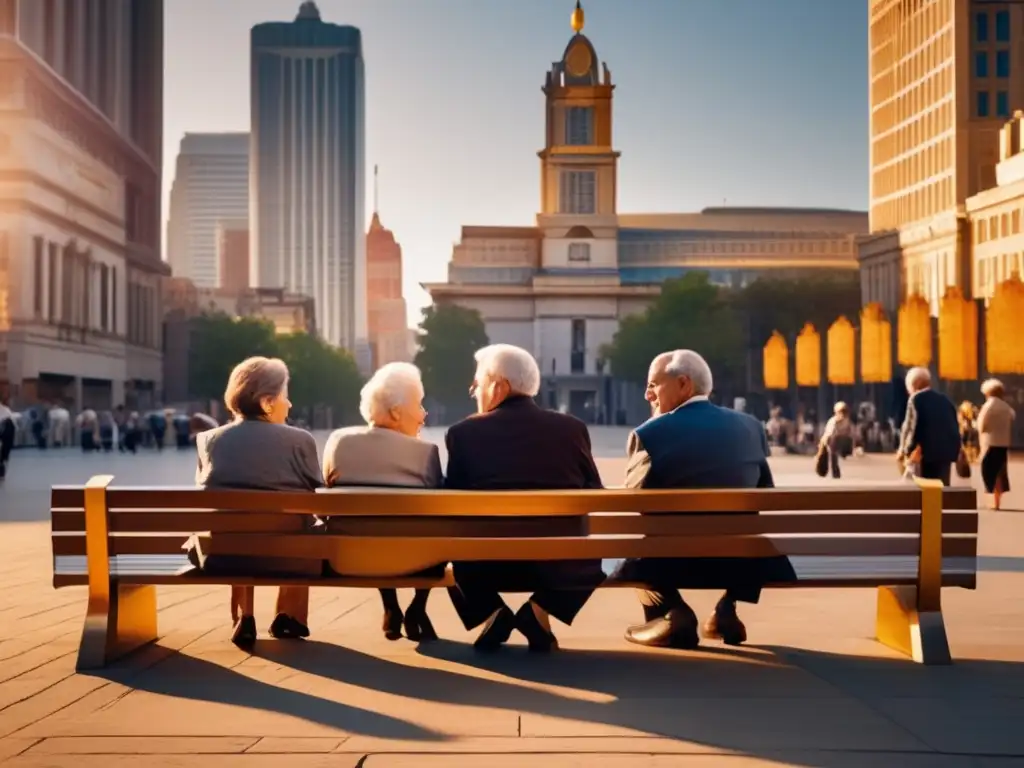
column 560, row 588
column 742, row 579
column 6, row 440
column 937, row 470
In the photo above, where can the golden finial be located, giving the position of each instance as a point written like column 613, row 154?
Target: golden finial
column 577, row 19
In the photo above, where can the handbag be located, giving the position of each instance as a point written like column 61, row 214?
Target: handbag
column 821, row 461
column 963, row 467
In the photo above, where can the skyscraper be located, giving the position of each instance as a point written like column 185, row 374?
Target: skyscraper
column 80, row 266
column 306, row 169
column 944, row 76
column 388, row 325
column 211, row 185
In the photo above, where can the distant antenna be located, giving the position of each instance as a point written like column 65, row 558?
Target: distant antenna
column 375, row 191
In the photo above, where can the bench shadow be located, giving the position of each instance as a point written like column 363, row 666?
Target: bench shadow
column 191, row 678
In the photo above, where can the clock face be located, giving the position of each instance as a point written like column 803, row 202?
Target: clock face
column 578, row 60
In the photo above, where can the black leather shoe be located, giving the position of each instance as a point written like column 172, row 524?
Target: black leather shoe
column 677, row 629
column 725, row 625
column 539, row 639
column 285, row 627
column 392, row 624
column 496, row 631
column 244, row 635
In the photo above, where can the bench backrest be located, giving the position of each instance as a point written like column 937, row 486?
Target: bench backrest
column 377, row 531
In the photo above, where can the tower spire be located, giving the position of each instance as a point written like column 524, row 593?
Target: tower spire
column 577, row 19
column 375, row 199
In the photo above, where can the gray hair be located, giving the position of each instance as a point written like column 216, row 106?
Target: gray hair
column 390, row 386
column 686, row 362
column 514, row 364
column 253, row 380
column 993, row 388
column 918, row 378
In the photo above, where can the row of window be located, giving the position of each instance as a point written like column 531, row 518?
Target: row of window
column 985, row 106
column 665, row 251
column 983, row 23
column 989, row 271
column 926, row 127
column 70, row 289
column 895, row 105
column 996, row 226
column 928, row 161
column 914, row 204
column 981, row 64
column 895, row 34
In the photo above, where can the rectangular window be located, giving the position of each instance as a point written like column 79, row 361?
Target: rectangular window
column 104, row 298
column 981, row 27
column 579, row 126
column 1002, row 104
column 981, row 64
column 983, row 107
column 578, row 192
column 1003, row 26
column 1002, row 63
column 579, row 251
column 52, row 290
column 37, row 276
column 577, row 361
column 113, row 300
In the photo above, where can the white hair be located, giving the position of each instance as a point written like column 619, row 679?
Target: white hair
column 918, row 378
column 992, row 388
column 391, row 385
column 686, row 362
column 514, row 364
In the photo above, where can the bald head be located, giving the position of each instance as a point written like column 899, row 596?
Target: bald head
column 918, row 379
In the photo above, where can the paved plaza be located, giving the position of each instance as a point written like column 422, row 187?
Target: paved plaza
column 812, row 688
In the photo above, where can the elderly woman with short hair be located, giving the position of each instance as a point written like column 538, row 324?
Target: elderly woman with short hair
column 995, row 428
column 388, row 452
column 258, row 451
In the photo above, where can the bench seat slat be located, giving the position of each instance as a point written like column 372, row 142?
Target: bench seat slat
column 811, row 572
column 164, row 521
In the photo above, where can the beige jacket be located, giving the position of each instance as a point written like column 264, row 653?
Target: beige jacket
column 995, row 423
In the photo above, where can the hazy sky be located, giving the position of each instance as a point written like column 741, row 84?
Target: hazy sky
column 755, row 102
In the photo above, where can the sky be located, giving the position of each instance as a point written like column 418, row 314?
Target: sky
column 742, row 102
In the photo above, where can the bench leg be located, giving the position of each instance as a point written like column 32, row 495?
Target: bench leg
column 116, row 626
column 904, row 628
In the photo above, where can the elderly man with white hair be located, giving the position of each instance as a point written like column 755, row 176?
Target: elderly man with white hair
column 691, row 443
column 930, row 436
column 388, row 452
column 513, row 444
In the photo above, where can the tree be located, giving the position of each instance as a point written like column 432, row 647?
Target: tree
column 449, row 336
column 321, row 375
column 690, row 313
column 218, row 343
column 773, row 304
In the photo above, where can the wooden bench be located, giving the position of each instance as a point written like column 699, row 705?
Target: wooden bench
column 124, row 541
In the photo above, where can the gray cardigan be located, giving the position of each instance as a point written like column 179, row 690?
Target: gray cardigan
column 258, row 455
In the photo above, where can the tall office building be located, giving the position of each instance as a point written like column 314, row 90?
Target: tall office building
column 944, row 76
column 388, row 323
column 307, row 174
column 211, row 185
column 81, row 120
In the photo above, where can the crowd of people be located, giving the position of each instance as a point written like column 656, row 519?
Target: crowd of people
column 510, row 443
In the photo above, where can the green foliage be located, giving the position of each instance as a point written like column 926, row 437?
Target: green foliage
column 728, row 327
column 690, row 313
column 320, row 375
column 218, row 343
column 772, row 304
column 449, row 336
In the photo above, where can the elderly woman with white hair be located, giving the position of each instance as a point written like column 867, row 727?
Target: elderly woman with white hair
column 995, row 428
column 388, row 452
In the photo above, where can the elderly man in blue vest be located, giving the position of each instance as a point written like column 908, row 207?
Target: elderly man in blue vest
column 691, row 443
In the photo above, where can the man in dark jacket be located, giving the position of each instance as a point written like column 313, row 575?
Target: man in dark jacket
column 691, row 443
column 931, row 433
column 513, row 444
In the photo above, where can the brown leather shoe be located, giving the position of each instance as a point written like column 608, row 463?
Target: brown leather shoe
column 677, row 629
column 725, row 625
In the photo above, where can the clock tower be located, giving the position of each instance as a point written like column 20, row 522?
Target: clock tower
column 578, row 163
